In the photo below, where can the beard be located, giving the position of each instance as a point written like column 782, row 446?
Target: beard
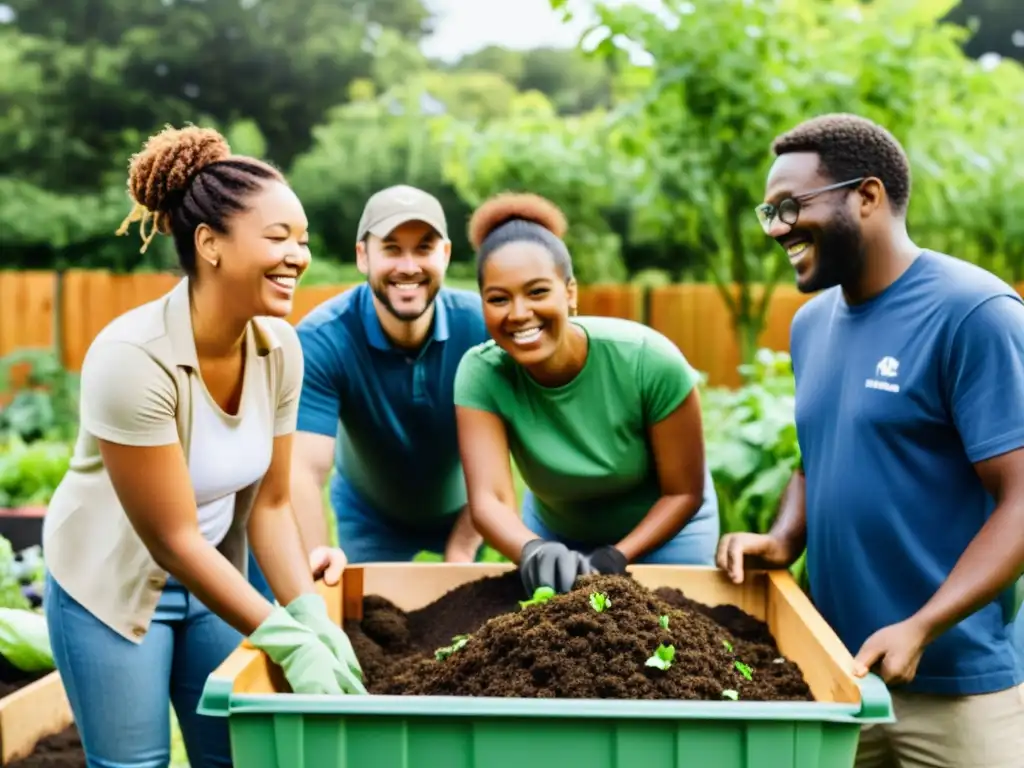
column 840, row 254
column 406, row 315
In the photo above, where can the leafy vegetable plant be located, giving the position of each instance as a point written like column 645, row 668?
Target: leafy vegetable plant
column 599, row 601
column 540, row 595
column 457, row 644
column 663, row 622
column 663, row 657
column 744, row 670
column 24, row 641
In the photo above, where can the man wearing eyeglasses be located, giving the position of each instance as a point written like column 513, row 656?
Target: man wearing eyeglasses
column 909, row 369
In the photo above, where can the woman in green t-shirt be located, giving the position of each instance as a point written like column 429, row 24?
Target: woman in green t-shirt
column 602, row 416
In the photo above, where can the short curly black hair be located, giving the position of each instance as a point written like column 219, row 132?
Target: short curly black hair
column 850, row 146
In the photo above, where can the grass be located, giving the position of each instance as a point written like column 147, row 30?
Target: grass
column 178, row 757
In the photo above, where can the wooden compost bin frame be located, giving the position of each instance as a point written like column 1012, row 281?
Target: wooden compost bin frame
column 773, row 596
column 31, row 714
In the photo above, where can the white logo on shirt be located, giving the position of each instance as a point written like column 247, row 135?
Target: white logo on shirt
column 887, row 368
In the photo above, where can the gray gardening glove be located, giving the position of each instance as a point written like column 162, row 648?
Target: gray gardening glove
column 550, row 564
column 607, row 560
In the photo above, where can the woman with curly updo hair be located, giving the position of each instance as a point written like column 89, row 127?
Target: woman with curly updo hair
column 187, row 409
column 601, row 414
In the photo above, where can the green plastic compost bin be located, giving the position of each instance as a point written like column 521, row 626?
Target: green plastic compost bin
column 273, row 728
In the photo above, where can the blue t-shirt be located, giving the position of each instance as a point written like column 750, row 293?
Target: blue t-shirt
column 895, row 400
column 391, row 410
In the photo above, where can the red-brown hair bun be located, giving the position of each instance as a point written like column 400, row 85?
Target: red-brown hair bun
column 515, row 205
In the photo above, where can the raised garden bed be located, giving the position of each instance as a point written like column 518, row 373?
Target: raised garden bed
column 751, row 678
column 36, row 724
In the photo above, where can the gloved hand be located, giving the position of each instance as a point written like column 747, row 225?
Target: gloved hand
column 309, row 666
column 311, row 611
column 607, row 560
column 550, row 564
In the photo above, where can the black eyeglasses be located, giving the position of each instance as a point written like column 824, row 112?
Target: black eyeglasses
column 789, row 209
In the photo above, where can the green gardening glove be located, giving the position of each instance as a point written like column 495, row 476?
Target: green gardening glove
column 311, row 611
column 309, row 666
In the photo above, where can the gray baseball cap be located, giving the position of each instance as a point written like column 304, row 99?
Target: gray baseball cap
column 394, row 206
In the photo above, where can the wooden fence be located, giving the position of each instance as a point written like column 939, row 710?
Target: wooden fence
column 694, row 316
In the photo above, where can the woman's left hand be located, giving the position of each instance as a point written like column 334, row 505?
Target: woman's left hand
column 327, row 563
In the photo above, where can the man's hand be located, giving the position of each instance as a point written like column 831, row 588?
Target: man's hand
column 464, row 541
column 763, row 550
column 327, row 562
column 897, row 651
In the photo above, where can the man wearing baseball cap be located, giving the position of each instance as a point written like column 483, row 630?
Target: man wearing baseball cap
column 377, row 401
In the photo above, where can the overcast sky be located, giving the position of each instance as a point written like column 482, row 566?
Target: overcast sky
column 467, row 25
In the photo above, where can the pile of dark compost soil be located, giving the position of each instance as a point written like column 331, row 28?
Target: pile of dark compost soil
column 477, row 640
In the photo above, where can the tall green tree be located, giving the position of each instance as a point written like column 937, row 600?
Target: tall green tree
column 730, row 75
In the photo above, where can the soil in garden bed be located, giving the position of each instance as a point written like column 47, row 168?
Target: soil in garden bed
column 565, row 648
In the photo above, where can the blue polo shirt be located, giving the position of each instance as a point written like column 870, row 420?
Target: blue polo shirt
column 391, row 410
column 895, row 400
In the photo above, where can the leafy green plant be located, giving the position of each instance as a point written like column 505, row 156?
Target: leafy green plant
column 744, row 670
column 600, row 601
column 24, row 641
column 31, row 472
column 458, row 642
column 11, row 595
column 663, row 622
column 727, row 645
column 662, row 657
column 44, row 405
column 752, row 446
column 540, row 595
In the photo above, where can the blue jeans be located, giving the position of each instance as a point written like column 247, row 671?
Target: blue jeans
column 121, row 693
column 367, row 536
column 258, row 580
column 694, row 545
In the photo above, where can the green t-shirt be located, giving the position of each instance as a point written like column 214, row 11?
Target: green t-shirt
column 583, row 448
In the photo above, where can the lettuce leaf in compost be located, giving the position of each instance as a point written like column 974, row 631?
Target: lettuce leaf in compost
column 24, row 641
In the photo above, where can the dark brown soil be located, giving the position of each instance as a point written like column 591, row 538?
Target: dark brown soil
column 566, row 649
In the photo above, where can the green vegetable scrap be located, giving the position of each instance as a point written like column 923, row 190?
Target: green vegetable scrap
column 744, row 670
column 540, row 595
column 600, row 601
column 728, row 645
column 730, row 694
column 24, row 641
column 457, row 643
column 663, row 621
column 662, row 658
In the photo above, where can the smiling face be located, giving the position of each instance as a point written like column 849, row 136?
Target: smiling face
column 405, row 269
column 826, row 244
column 263, row 255
column 526, row 302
